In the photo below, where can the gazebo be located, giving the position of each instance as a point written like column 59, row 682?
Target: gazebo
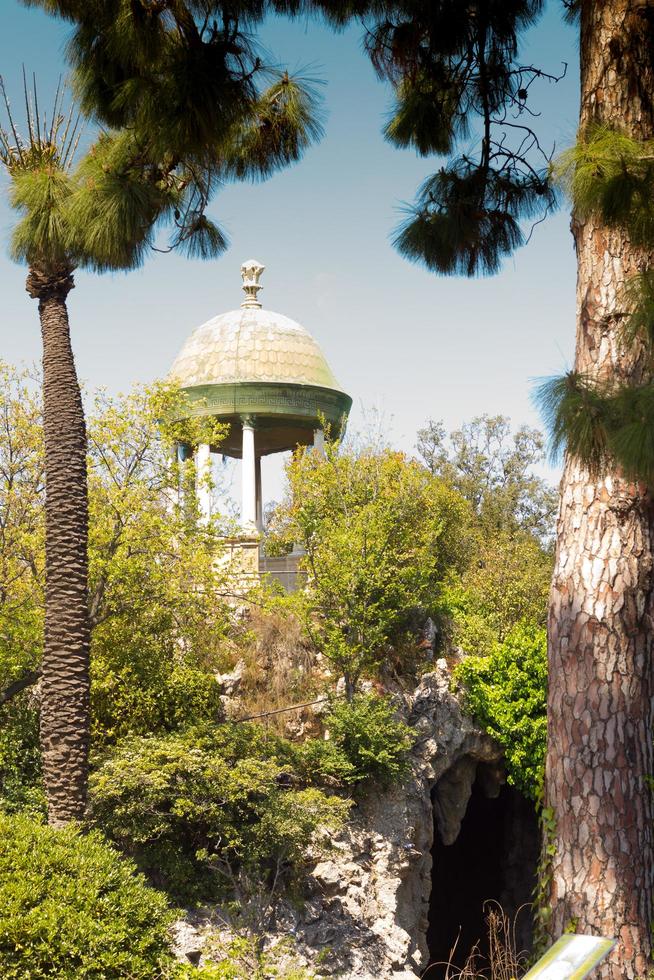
column 265, row 376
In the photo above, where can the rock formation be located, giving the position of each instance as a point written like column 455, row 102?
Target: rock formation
column 367, row 900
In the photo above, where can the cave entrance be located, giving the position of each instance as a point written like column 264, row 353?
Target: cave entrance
column 493, row 857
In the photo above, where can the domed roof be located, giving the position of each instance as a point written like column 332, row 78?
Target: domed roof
column 252, row 345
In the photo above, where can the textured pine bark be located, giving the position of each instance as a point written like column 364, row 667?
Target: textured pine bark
column 601, row 718
column 65, row 669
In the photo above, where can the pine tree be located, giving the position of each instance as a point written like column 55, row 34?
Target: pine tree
column 231, row 119
column 466, row 220
column 455, row 72
column 601, row 679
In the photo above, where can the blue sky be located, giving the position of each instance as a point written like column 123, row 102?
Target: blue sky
column 400, row 340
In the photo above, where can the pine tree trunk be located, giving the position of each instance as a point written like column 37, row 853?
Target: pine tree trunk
column 65, row 671
column 601, row 718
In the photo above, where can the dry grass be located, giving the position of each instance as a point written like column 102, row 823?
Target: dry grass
column 504, row 961
column 280, row 670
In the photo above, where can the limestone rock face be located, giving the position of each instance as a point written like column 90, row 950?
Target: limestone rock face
column 365, row 917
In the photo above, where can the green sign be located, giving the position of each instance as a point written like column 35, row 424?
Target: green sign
column 571, row 958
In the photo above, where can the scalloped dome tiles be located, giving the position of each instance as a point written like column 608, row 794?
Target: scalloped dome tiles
column 251, row 344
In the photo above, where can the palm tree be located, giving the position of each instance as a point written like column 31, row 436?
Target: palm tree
column 103, row 215
column 39, row 167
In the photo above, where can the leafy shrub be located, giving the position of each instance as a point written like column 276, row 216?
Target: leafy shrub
column 137, row 688
column 243, row 959
column 20, row 757
column 73, row 908
column 368, row 736
column 206, row 806
column 507, row 692
column 323, row 761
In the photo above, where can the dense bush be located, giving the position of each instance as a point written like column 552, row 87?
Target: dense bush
column 20, row 757
column 206, row 806
column 368, row 742
column 73, row 909
column 507, row 692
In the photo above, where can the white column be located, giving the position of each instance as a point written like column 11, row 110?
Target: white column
column 181, row 452
column 319, row 441
column 203, row 480
column 248, row 479
column 259, row 505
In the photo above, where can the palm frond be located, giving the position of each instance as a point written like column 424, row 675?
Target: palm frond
column 42, row 197
column 38, row 162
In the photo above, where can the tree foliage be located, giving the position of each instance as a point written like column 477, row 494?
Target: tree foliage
column 507, row 692
column 156, row 592
column 379, row 534
column 229, row 114
column 73, row 908
column 505, row 584
column 157, row 602
column 493, row 469
column 507, row 577
column 460, row 91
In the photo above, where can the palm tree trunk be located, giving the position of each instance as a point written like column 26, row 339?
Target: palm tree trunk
column 65, row 671
column 601, row 638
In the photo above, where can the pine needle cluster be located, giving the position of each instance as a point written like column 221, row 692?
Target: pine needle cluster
column 455, row 75
column 610, row 175
column 185, row 102
column 190, row 84
column 610, row 424
column 467, row 218
column 604, row 426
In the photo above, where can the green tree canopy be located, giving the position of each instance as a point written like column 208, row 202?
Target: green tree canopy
column 379, row 534
column 229, row 114
column 493, row 469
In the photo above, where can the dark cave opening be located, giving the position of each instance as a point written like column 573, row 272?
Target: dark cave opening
column 494, row 857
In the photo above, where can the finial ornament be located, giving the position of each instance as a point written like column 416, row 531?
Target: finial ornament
column 250, row 273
